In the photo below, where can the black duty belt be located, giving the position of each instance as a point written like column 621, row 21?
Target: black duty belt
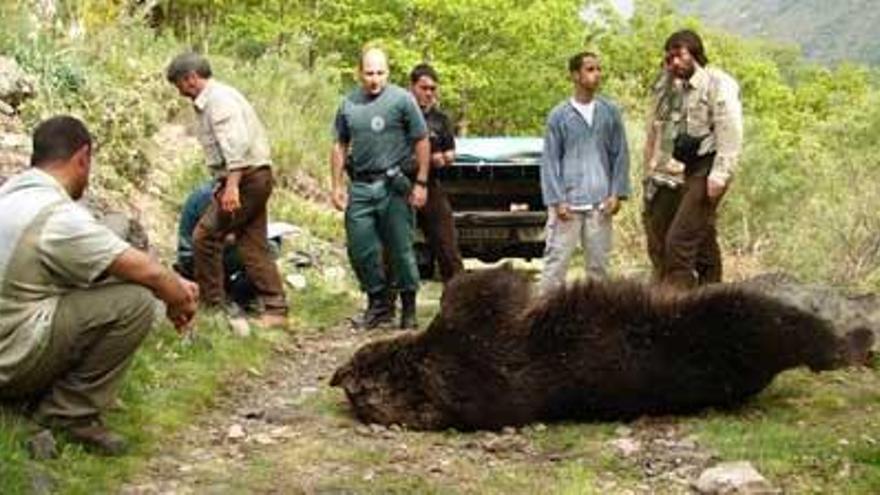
column 367, row 175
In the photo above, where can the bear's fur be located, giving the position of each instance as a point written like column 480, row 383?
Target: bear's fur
column 493, row 357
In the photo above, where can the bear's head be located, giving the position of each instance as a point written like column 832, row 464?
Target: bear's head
column 398, row 381
column 384, row 384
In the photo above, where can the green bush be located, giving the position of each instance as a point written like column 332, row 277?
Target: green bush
column 113, row 82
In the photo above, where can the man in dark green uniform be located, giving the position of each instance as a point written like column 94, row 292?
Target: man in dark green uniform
column 379, row 128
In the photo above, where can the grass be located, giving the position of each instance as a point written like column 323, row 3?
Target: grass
column 320, row 220
column 806, row 433
column 170, row 382
column 809, row 433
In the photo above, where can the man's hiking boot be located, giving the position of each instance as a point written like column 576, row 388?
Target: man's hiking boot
column 379, row 311
column 97, row 438
column 408, row 311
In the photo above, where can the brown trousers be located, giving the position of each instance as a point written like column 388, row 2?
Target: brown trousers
column 657, row 217
column 436, row 221
column 691, row 235
column 248, row 224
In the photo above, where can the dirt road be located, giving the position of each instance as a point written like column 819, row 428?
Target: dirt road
column 287, row 431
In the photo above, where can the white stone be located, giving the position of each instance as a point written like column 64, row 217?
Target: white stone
column 627, row 447
column 239, row 326
column 729, row 478
column 236, row 432
column 15, row 85
column 297, row 281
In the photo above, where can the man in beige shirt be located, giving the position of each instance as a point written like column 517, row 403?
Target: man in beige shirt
column 238, row 155
column 663, row 182
column 75, row 300
column 706, row 137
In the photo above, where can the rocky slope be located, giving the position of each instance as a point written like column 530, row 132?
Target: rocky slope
column 15, row 148
column 15, row 87
column 827, row 31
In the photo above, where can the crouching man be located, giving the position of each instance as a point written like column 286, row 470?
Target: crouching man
column 75, row 300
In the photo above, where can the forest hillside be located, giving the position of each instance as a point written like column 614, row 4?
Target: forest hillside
column 830, row 32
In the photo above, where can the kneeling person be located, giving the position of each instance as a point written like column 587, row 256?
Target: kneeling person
column 76, row 300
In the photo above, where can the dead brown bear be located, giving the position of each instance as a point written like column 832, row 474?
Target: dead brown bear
column 493, row 357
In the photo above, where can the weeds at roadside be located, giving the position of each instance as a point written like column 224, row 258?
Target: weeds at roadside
column 169, row 383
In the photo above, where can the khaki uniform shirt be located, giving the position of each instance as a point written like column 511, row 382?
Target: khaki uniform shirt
column 229, row 130
column 707, row 104
column 49, row 246
column 712, row 108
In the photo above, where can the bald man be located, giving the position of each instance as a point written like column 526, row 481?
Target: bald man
column 381, row 141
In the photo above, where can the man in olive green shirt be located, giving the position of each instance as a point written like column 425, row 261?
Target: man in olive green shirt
column 75, row 300
column 378, row 129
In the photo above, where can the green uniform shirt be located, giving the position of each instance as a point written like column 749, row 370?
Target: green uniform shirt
column 380, row 129
column 49, row 246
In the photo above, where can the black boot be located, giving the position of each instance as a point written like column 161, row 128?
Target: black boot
column 408, row 310
column 379, row 310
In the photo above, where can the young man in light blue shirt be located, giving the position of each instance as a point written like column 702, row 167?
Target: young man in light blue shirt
column 584, row 174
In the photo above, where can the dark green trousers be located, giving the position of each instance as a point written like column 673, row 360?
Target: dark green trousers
column 377, row 218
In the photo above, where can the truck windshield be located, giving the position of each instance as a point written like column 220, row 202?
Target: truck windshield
column 498, row 150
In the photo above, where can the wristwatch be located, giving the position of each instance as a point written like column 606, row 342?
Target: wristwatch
column 422, row 183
